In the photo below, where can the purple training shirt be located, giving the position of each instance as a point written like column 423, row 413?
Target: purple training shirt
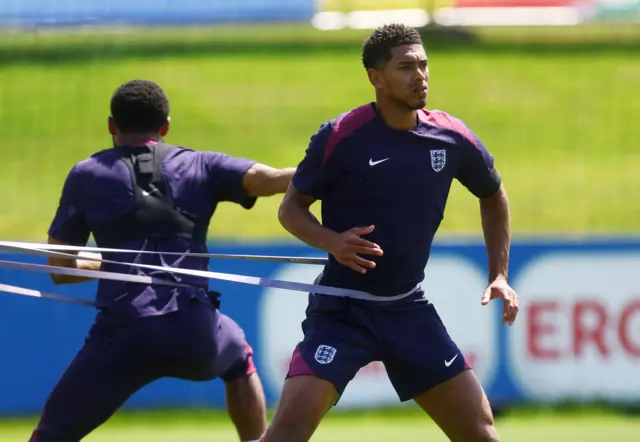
column 367, row 173
column 99, row 189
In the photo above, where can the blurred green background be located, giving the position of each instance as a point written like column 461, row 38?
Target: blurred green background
column 558, row 108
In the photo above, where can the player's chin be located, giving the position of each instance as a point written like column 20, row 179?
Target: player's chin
column 417, row 104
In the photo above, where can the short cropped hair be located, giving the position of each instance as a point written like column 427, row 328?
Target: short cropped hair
column 376, row 51
column 139, row 106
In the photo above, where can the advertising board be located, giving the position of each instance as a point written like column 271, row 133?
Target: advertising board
column 577, row 335
column 167, row 12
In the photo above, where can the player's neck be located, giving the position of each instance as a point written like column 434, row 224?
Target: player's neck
column 136, row 139
column 396, row 118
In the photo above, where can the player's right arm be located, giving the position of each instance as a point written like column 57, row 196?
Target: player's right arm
column 308, row 185
column 69, row 227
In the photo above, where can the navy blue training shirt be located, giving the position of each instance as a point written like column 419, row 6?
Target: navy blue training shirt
column 367, row 173
column 100, row 189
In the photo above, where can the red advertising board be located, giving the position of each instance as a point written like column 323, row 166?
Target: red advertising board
column 517, row 3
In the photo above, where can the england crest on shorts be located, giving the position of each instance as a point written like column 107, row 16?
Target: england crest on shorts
column 325, row 354
column 438, row 159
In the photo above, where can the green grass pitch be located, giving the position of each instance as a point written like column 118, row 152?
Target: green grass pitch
column 380, row 426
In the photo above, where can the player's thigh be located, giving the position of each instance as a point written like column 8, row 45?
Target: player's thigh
column 206, row 344
column 418, row 351
column 461, row 409
column 90, row 391
column 337, row 342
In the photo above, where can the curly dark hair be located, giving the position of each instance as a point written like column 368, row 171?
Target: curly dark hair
column 139, row 106
column 376, row 51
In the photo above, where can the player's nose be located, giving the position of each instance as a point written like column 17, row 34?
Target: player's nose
column 419, row 85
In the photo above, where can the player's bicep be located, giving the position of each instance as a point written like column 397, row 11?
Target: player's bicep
column 257, row 178
column 262, row 180
column 295, row 208
column 477, row 171
column 293, row 197
column 314, row 173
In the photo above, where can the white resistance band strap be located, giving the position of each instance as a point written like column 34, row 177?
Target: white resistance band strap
column 251, row 280
column 12, row 246
column 42, row 295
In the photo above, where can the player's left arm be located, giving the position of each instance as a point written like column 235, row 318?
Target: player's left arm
column 69, row 227
column 478, row 174
column 494, row 213
column 242, row 180
column 263, row 180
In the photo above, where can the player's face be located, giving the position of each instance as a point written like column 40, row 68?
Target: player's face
column 406, row 76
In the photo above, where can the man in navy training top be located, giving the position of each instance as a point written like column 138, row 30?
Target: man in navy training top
column 383, row 173
column 143, row 194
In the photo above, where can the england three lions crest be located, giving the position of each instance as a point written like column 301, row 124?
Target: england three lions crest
column 438, row 159
column 325, row 354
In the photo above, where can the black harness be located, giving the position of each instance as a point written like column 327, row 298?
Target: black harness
column 155, row 216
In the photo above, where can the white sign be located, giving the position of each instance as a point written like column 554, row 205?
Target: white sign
column 453, row 284
column 579, row 327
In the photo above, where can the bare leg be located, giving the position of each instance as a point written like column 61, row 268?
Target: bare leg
column 461, row 409
column 246, row 406
column 303, row 403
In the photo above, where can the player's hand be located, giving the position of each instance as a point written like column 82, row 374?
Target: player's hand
column 348, row 246
column 499, row 288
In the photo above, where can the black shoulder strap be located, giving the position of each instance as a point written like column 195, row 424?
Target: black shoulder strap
column 155, row 214
column 145, row 164
column 158, row 183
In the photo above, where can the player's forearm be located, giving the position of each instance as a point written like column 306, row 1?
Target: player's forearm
column 81, row 264
column 497, row 233
column 301, row 223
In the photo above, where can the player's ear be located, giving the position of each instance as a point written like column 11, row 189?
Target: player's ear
column 375, row 78
column 164, row 130
column 111, row 124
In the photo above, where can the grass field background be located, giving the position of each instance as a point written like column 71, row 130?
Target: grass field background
column 561, row 122
column 379, row 426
